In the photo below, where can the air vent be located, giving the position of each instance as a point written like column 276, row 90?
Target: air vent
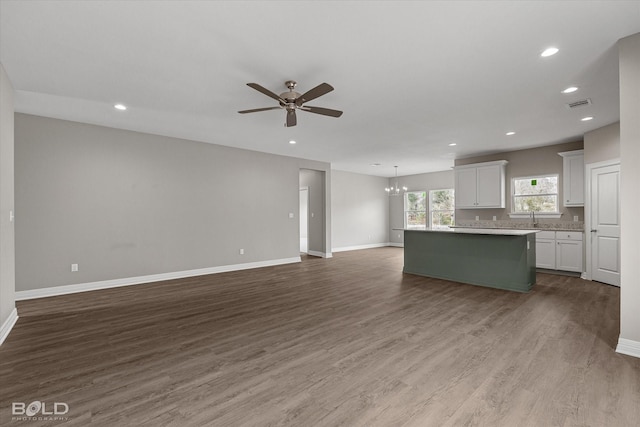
column 581, row 103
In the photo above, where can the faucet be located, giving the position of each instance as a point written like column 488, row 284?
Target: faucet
column 533, row 218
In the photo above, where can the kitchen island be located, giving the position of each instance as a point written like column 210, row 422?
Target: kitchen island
column 496, row 258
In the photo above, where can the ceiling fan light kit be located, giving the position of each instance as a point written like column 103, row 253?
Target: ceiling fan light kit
column 292, row 101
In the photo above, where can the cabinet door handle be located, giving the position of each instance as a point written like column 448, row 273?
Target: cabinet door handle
column 594, row 231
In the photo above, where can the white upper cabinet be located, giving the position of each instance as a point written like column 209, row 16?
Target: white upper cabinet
column 573, row 178
column 480, row 185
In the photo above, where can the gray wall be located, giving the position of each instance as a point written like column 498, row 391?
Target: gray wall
column 534, row 161
column 125, row 204
column 602, row 144
column 420, row 182
column 629, row 49
column 7, row 248
column 360, row 213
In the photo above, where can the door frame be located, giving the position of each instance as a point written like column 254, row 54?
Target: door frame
column 587, row 210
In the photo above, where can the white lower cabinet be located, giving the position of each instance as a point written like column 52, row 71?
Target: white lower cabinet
column 546, row 253
column 569, row 251
column 559, row 250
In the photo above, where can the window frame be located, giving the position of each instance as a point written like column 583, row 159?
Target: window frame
column 405, row 211
column 516, row 214
column 431, row 210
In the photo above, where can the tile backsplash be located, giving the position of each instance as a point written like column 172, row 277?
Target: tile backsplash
column 541, row 224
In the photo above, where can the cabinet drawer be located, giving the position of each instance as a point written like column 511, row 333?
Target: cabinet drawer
column 569, row 235
column 545, row 235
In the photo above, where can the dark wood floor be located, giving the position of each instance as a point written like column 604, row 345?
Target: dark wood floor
column 344, row 341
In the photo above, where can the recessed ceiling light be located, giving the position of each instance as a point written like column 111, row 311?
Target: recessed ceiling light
column 375, row 164
column 120, row 107
column 510, row 133
column 586, row 119
column 292, row 142
column 570, row 89
column 453, row 144
column 549, row 51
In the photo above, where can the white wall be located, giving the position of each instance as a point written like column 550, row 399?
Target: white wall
column 419, row 182
column 360, row 214
column 7, row 249
column 629, row 49
column 123, row 204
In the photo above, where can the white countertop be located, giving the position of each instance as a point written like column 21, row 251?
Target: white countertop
column 492, row 231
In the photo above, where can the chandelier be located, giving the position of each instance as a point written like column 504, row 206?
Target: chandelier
column 395, row 190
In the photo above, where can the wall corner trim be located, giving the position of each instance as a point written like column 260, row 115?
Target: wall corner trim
column 128, row 281
column 628, row 347
column 8, row 325
column 320, row 254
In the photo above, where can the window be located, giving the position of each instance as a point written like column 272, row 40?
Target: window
column 436, row 211
column 415, row 209
column 441, row 208
column 535, row 194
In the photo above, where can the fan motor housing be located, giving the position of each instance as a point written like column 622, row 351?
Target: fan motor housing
column 290, row 96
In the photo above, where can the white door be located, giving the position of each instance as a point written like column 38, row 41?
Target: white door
column 605, row 224
column 304, row 220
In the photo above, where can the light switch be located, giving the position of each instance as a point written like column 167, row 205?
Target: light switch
column 290, row 214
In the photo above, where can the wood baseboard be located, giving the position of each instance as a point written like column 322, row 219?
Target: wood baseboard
column 628, row 347
column 8, row 325
column 128, row 281
column 320, row 254
column 359, row 247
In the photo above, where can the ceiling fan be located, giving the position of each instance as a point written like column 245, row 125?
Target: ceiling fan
column 292, row 101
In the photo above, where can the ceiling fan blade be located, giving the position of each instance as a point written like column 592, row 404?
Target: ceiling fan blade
column 255, row 110
column 314, row 93
column 323, row 111
column 291, row 118
column 267, row 92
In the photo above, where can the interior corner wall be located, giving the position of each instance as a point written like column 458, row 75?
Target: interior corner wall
column 602, row 144
column 360, row 211
column 629, row 50
column 124, row 204
column 7, row 232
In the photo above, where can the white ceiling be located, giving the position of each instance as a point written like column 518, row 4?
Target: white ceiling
column 411, row 77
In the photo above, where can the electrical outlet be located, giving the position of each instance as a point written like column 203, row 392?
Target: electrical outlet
column 74, row 267
column 290, row 214
column 575, row 218
column 241, row 251
column 494, row 217
column 477, row 218
column 399, row 236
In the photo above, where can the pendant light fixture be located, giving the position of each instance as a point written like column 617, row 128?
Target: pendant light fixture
column 395, row 190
